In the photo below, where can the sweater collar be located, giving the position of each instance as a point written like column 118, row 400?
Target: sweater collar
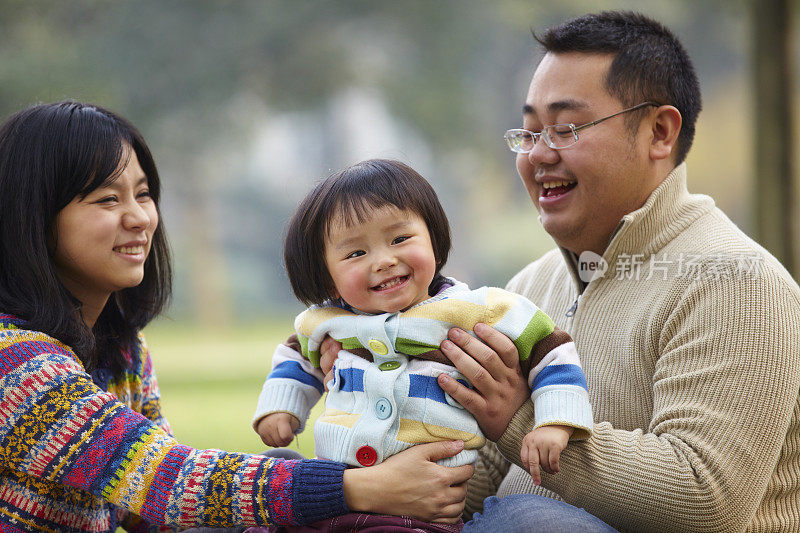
column 668, row 210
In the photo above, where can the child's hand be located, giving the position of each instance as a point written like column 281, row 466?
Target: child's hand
column 543, row 446
column 277, row 429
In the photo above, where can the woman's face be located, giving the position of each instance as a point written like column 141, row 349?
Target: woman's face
column 102, row 241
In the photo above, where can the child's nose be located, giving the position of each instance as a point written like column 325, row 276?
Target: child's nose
column 386, row 260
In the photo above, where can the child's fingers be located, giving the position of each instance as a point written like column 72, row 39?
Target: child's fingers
column 530, row 458
column 285, row 433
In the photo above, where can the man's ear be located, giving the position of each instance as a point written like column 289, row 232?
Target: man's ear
column 666, row 125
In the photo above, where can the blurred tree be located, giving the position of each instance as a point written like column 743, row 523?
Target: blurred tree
column 204, row 79
column 773, row 132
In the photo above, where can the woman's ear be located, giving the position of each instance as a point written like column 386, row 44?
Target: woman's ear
column 666, row 125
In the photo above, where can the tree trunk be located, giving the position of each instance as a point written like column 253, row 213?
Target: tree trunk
column 772, row 129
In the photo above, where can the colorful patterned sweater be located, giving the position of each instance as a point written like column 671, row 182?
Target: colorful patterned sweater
column 76, row 458
column 384, row 401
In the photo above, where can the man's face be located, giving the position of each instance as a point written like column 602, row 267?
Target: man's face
column 583, row 191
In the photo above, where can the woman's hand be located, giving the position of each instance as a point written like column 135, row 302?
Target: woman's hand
column 411, row 483
column 492, row 366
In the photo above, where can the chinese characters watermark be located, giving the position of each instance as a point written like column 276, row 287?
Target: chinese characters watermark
column 638, row 267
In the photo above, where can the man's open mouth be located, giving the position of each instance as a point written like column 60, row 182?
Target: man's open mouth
column 556, row 188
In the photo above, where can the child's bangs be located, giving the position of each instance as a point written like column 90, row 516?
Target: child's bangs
column 352, row 210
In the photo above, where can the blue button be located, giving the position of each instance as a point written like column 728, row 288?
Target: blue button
column 383, row 408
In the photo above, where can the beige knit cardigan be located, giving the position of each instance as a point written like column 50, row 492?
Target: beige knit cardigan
column 691, row 347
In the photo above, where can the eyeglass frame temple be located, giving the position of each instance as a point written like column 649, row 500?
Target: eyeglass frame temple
column 576, row 129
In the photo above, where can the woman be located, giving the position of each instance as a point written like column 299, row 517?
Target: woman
column 84, row 266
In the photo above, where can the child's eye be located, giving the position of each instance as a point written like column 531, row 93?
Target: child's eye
column 357, row 253
column 398, row 240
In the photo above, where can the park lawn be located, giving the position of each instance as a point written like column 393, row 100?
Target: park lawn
column 210, row 378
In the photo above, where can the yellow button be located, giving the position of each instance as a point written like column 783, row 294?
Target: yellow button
column 378, row 347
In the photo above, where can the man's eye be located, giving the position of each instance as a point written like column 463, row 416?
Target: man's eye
column 561, row 130
column 398, row 240
column 357, row 253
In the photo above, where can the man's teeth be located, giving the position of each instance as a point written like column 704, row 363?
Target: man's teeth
column 130, row 249
column 554, row 184
column 391, row 283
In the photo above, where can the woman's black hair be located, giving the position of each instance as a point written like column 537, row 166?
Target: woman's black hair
column 50, row 154
column 351, row 193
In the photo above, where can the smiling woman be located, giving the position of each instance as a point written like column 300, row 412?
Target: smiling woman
column 84, row 266
column 103, row 238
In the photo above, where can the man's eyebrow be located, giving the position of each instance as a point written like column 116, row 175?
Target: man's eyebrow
column 554, row 107
column 566, row 105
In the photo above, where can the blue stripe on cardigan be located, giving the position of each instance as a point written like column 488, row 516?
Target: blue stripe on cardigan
column 352, row 380
column 293, row 370
column 560, row 375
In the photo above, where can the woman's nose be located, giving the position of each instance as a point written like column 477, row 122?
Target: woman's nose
column 136, row 216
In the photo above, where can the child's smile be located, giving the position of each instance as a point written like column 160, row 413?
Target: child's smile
column 382, row 264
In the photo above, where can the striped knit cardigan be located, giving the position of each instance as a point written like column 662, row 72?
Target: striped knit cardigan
column 386, row 401
column 76, row 458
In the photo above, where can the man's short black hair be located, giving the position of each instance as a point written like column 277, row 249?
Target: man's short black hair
column 650, row 64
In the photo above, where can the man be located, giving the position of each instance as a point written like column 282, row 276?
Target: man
column 687, row 329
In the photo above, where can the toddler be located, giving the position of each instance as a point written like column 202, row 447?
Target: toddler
column 365, row 248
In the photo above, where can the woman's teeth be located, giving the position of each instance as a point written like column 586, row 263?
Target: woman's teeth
column 131, row 250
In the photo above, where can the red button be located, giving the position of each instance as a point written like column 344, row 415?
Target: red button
column 366, row 456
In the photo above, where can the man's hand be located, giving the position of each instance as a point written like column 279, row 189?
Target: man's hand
column 277, row 429
column 543, row 446
column 329, row 351
column 491, row 364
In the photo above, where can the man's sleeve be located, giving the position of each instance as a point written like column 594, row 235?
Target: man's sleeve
column 725, row 387
column 490, row 469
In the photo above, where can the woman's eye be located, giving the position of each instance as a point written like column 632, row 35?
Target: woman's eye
column 398, row 240
column 357, row 253
column 143, row 194
column 107, row 199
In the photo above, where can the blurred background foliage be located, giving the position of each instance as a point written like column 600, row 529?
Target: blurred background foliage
column 246, row 104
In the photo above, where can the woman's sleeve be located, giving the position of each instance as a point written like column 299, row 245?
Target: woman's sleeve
column 58, row 426
column 151, row 397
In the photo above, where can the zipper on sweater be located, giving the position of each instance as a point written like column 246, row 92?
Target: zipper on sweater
column 571, row 311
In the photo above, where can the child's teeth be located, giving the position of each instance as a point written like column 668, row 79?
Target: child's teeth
column 389, row 283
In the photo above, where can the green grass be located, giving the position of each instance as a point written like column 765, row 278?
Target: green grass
column 210, row 378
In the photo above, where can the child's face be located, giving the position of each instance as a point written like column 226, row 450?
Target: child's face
column 384, row 264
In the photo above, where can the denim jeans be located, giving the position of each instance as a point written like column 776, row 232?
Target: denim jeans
column 525, row 513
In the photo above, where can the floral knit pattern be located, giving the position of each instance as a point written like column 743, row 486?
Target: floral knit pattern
column 75, row 458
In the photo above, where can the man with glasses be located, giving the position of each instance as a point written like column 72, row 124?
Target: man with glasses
column 687, row 329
